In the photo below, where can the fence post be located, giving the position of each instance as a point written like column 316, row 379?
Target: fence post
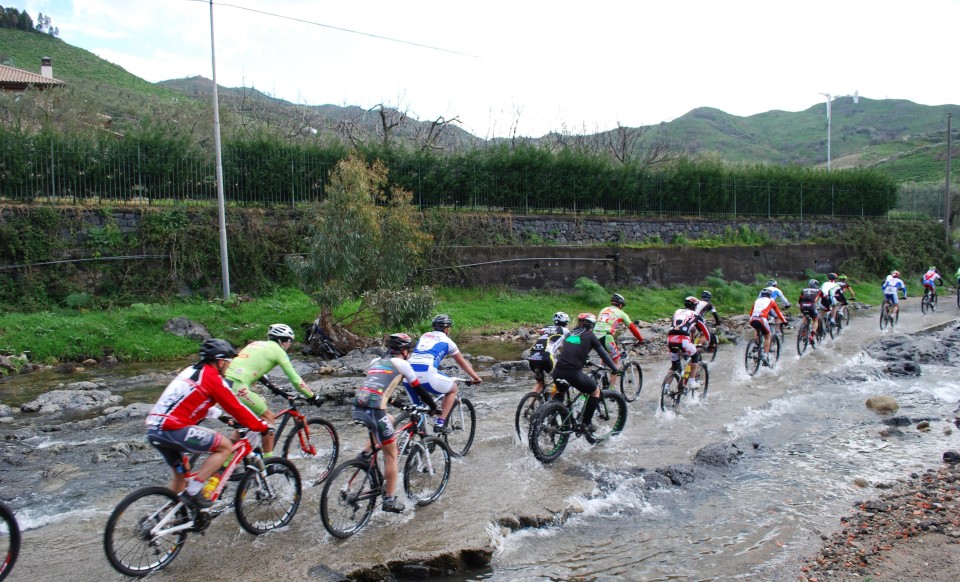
column 293, row 190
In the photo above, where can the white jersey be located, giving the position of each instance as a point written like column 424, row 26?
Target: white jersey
column 431, row 349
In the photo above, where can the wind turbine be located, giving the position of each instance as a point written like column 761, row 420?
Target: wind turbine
column 856, row 99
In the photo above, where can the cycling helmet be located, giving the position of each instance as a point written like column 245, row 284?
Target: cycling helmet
column 832, row 276
column 933, row 268
column 706, row 296
column 216, row 349
column 280, row 331
column 766, row 293
column 398, row 342
column 772, row 283
column 442, row 322
column 691, row 302
column 895, row 274
column 842, row 277
column 813, row 284
column 618, row 300
column 561, row 318
column 587, row 320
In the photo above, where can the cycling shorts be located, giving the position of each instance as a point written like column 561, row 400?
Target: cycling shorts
column 385, row 433
column 810, row 311
column 610, row 345
column 431, row 379
column 541, row 367
column 250, row 399
column 577, row 379
column 928, row 285
column 828, row 302
column 682, row 343
column 172, row 444
column 841, row 299
column 760, row 324
column 892, row 298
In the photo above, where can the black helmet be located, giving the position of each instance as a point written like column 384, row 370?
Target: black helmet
column 561, row 318
column 772, row 283
column 398, row 342
column 813, row 284
column 618, row 300
column 691, row 302
column 766, row 293
column 706, row 296
column 832, row 276
column 442, row 322
column 216, row 349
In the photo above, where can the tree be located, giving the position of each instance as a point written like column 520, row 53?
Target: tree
column 365, row 245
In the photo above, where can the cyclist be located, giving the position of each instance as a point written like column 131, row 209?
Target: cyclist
column 890, row 287
column 571, row 359
column 431, row 349
column 172, row 422
column 758, row 320
column 610, row 318
column 844, row 288
column 957, row 275
column 930, row 280
column 253, row 362
column 775, row 293
column 809, row 303
column 685, row 321
column 706, row 306
column 541, row 359
column 828, row 298
column 370, row 407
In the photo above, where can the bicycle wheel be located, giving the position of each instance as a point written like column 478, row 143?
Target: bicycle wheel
column 933, row 302
column 9, row 540
column 751, row 358
column 884, row 317
column 313, row 449
column 838, row 325
column 845, row 315
column 925, row 303
column 670, row 391
column 713, row 347
column 269, row 500
column 348, row 498
column 526, row 410
column 609, row 418
column 403, row 436
column 803, row 338
column 703, row 376
column 631, row 381
column 460, row 427
column 549, row 431
column 427, row 470
column 775, row 349
column 135, row 541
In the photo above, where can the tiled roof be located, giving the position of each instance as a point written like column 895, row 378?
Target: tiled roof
column 19, row 76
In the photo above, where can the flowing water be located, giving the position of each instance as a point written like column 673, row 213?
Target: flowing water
column 803, row 426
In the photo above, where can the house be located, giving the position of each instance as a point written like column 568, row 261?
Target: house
column 17, row 80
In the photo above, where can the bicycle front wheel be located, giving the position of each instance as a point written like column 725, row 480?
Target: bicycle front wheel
column 703, row 376
column 631, row 381
column 9, row 540
column 268, row 500
column 751, row 358
column 670, row 391
column 460, row 427
column 314, row 449
column 526, row 410
column 884, row 317
column 803, row 338
column 348, row 498
column 144, row 533
column 427, row 470
column 549, row 432
column 609, row 418
column 775, row 348
column 845, row 315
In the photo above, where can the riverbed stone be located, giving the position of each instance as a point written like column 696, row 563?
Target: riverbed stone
column 185, row 327
column 882, row 404
column 679, row 474
column 718, row 454
column 905, row 368
column 60, row 400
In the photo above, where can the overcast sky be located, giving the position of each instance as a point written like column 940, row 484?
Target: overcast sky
column 544, row 66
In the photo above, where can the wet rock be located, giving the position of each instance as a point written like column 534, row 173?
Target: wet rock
column 882, row 404
column 892, row 432
column 897, row 421
column 184, row 327
column 511, row 366
column 923, row 425
column 69, row 368
column 920, row 349
column 486, row 359
column 90, row 362
column 5, row 410
column 718, row 454
column 326, row 574
column 902, row 369
column 951, row 457
column 679, row 475
column 59, row 400
column 85, row 385
column 110, row 361
column 861, row 482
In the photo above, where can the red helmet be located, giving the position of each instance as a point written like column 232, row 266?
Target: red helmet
column 587, row 320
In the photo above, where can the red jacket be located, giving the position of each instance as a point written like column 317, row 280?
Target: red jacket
column 186, row 400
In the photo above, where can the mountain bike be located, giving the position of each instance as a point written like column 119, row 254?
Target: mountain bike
column 9, row 540
column 843, row 315
column 675, row 384
column 531, row 402
column 886, row 314
column 929, row 301
column 631, row 376
column 556, row 422
column 149, row 527
column 461, row 424
column 753, row 355
column 317, row 443
column 352, row 491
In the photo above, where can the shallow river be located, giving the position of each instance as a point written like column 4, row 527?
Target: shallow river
column 755, row 519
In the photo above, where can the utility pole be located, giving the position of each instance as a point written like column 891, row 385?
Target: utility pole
column 224, row 262
column 946, row 218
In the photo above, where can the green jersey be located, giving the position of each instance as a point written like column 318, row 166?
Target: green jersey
column 257, row 359
column 609, row 319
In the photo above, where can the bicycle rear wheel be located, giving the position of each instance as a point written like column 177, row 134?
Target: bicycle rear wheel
column 925, row 304
column 526, row 410
column 348, row 498
column 703, row 376
column 775, row 349
column 670, row 391
column 460, row 427
column 313, row 449
column 803, row 338
column 751, row 358
column 609, row 418
column 9, row 540
column 267, row 501
column 844, row 315
column 631, row 381
column 549, row 432
column 427, row 470
column 713, row 347
column 884, row 317
column 129, row 540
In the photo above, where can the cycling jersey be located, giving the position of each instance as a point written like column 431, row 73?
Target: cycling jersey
column 257, row 359
column 828, row 293
column 383, row 378
column 548, row 342
column 431, row 349
column 576, row 347
column 776, row 293
column 762, row 308
column 609, row 319
column 892, row 284
column 930, row 278
column 186, row 400
column 707, row 307
column 809, row 298
column 684, row 322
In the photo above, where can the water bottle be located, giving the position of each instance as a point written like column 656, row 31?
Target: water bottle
column 210, row 486
column 686, row 372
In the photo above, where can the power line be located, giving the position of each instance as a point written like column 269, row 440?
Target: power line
column 341, row 29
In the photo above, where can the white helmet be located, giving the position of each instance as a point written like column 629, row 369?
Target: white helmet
column 561, row 318
column 280, row 331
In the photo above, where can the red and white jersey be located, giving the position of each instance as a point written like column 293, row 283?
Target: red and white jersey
column 186, row 400
column 763, row 306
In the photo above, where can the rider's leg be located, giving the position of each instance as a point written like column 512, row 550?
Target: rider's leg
column 448, row 400
column 268, row 438
column 390, row 471
column 592, row 402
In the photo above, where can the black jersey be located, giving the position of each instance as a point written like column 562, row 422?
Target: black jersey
column 576, row 348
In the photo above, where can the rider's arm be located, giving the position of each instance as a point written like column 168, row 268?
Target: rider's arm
column 716, row 316
column 636, row 332
column 466, row 367
column 283, row 360
column 228, row 401
column 778, row 312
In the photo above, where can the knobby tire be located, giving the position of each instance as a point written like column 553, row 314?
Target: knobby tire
column 9, row 540
column 631, row 381
column 609, row 418
column 427, row 470
column 526, row 410
column 550, row 431
column 260, row 508
column 127, row 541
column 316, row 466
column 461, row 426
column 349, row 497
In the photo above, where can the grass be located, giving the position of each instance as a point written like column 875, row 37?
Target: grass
column 135, row 333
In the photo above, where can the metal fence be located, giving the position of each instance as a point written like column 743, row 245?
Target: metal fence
column 134, row 174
